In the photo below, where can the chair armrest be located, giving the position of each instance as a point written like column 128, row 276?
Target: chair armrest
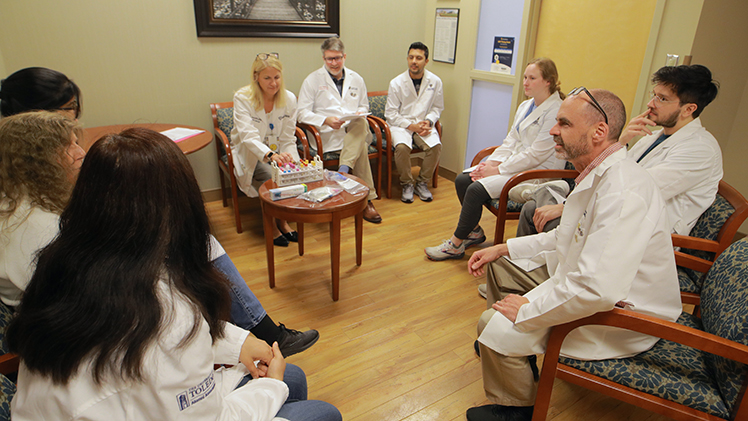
column 650, row 325
column 377, row 126
column 312, row 130
column 438, row 126
column 301, row 137
column 695, row 243
column 529, row 175
column 692, row 262
column 483, row 153
column 383, row 127
column 9, row 363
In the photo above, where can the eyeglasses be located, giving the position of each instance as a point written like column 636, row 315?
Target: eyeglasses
column 659, row 99
column 577, row 91
column 73, row 107
column 333, row 59
column 265, row 56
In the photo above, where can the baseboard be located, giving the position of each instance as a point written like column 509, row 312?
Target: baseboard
column 211, row 195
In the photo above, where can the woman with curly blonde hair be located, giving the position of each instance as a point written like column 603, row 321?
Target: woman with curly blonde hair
column 39, row 161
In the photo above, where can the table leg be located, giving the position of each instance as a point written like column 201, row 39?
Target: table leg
column 335, row 254
column 267, row 222
column 300, row 230
column 359, row 238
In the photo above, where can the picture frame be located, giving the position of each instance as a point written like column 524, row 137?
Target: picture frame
column 267, row 18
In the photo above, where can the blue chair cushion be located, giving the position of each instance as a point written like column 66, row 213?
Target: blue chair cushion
column 669, row 370
column 7, row 391
column 225, row 117
column 377, row 105
column 512, row 206
column 724, row 306
column 687, row 284
column 5, row 316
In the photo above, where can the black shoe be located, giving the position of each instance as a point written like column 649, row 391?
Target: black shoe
column 280, row 241
column 477, row 348
column 292, row 341
column 500, row 413
column 292, row 236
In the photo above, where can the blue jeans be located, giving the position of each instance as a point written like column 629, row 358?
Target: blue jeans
column 297, row 407
column 246, row 310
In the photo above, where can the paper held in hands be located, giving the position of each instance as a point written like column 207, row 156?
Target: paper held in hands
column 349, row 117
column 179, row 134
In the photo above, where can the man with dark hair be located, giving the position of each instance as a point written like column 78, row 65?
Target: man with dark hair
column 414, row 103
column 683, row 158
column 328, row 98
column 612, row 249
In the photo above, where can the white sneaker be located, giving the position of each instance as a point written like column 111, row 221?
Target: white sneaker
column 423, row 192
column 407, row 196
column 445, row 251
column 475, row 237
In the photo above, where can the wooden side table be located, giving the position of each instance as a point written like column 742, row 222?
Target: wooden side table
column 333, row 210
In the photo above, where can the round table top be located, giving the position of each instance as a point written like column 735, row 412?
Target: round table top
column 340, row 202
column 189, row 145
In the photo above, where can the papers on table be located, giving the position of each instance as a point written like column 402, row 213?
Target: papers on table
column 179, row 134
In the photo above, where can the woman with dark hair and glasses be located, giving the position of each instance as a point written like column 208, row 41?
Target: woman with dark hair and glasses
column 124, row 316
column 528, row 146
column 264, row 132
column 40, row 88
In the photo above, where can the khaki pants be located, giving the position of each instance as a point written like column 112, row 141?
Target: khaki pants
column 507, row 380
column 503, row 278
column 355, row 153
column 402, row 161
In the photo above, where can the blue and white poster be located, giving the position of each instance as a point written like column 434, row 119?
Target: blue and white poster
column 503, row 50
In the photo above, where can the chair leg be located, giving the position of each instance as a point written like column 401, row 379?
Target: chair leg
column 235, row 201
column 389, row 171
column 223, row 188
column 435, row 177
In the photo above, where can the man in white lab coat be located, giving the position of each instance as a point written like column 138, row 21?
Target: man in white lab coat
column 414, row 103
column 683, row 157
column 611, row 249
column 328, row 98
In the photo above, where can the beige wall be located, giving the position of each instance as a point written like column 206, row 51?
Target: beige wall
column 720, row 45
column 142, row 61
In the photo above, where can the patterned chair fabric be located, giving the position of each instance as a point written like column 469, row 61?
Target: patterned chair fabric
column 707, row 227
column 687, row 375
column 7, row 391
column 5, row 316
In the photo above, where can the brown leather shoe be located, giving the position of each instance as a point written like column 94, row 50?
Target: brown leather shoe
column 371, row 214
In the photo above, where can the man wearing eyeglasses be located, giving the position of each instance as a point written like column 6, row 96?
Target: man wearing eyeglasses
column 611, row 249
column 683, row 157
column 329, row 94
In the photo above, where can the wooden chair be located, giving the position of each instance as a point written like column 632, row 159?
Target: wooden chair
column 712, row 234
column 506, row 209
column 377, row 104
column 697, row 371
column 332, row 159
column 223, row 122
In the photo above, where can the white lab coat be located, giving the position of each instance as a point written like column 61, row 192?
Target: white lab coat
column 22, row 234
column 687, row 167
column 319, row 99
column 529, row 148
column 406, row 107
column 251, row 136
column 180, row 383
column 612, row 245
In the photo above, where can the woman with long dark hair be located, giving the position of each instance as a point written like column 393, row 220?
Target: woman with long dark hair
column 124, row 316
column 39, row 88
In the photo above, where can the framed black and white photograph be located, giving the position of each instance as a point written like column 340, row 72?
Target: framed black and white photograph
column 267, row 18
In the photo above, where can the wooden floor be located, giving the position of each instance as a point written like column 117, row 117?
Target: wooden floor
column 398, row 345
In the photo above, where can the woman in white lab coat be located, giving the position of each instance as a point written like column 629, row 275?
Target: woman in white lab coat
column 264, row 132
column 123, row 318
column 528, row 146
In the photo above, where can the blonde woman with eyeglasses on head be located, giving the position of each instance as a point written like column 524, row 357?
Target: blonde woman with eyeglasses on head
column 264, row 132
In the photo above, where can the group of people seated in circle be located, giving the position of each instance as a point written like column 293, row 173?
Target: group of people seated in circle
column 122, row 296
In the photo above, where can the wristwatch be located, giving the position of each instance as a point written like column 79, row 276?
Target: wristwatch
column 270, row 156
